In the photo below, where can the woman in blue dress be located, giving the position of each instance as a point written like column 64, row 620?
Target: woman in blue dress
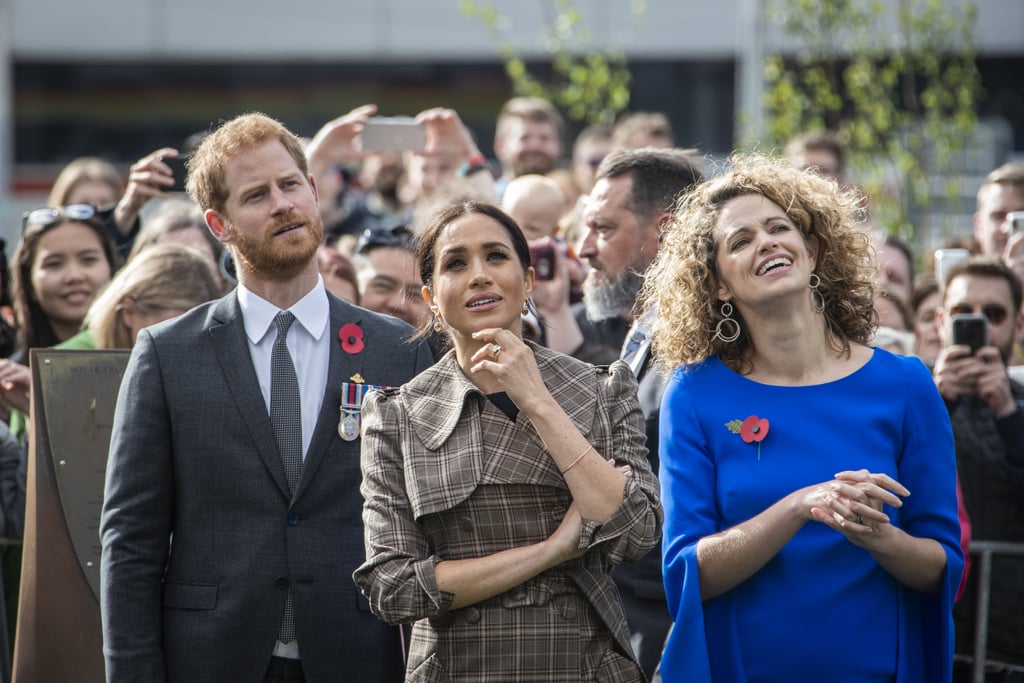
column 808, row 480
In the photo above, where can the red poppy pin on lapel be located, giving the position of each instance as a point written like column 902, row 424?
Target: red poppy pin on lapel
column 351, row 336
column 751, row 430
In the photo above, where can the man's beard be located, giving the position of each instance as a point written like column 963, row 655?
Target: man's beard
column 607, row 297
column 273, row 258
column 539, row 164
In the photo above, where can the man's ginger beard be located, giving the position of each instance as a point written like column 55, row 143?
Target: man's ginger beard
column 260, row 256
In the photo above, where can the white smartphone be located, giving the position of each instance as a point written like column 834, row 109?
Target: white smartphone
column 393, row 134
column 945, row 259
column 1015, row 221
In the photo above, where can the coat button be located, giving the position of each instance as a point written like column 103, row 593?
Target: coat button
column 293, row 519
column 281, row 582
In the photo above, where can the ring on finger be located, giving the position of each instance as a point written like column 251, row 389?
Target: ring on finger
column 495, row 350
column 860, row 520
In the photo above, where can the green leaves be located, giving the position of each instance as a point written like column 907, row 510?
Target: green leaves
column 589, row 85
column 897, row 84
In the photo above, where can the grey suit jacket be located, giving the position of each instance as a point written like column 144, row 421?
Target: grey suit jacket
column 200, row 538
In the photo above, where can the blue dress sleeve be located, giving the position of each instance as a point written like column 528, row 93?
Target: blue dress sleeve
column 687, row 475
column 927, row 467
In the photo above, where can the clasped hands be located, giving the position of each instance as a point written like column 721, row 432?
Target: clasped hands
column 852, row 504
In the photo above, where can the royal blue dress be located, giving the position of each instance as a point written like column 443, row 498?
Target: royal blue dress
column 822, row 608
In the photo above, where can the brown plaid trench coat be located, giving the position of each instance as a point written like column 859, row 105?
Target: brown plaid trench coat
column 446, row 475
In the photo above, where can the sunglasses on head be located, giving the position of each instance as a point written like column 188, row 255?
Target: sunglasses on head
column 398, row 236
column 995, row 313
column 48, row 215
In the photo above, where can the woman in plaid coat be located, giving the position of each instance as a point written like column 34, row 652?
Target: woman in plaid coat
column 503, row 485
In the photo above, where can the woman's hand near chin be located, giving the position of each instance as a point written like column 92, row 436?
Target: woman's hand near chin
column 514, row 367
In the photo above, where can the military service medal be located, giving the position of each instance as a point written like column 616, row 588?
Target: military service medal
column 352, row 394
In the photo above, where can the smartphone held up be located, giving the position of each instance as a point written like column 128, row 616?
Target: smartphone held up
column 393, row 134
column 179, row 171
column 542, row 258
column 1015, row 222
column 945, row 259
column 971, row 330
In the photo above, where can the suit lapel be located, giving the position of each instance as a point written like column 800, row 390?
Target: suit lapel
column 232, row 347
column 342, row 366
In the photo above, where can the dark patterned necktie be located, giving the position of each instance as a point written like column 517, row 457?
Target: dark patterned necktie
column 286, row 419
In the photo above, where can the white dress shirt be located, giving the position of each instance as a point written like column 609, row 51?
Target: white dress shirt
column 308, row 343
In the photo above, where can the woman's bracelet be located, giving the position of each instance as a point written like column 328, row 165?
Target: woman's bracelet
column 578, row 458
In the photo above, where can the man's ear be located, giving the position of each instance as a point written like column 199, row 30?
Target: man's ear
column 215, row 222
column 316, row 193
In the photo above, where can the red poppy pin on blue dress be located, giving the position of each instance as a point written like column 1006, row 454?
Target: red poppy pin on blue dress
column 751, row 430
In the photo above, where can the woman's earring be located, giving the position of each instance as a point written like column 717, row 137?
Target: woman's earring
column 727, row 319
column 526, row 309
column 438, row 325
column 816, row 295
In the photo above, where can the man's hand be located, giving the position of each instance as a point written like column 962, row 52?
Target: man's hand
column 447, row 135
column 337, row 141
column 148, row 178
column 983, row 374
column 993, row 382
column 955, row 372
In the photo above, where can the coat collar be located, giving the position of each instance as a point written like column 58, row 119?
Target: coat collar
column 436, row 397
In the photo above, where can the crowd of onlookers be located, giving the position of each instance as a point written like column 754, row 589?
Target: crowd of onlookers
column 108, row 257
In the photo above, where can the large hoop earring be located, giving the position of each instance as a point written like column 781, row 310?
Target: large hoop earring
column 727, row 318
column 819, row 299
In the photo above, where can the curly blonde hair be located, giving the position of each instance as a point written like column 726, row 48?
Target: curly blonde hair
column 682, row 283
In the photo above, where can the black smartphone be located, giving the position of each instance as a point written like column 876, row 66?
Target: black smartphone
column 970, row 330
column 542, row 258
column 178, row 170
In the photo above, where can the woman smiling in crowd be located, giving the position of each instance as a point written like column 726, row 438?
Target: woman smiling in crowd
column 793, row 548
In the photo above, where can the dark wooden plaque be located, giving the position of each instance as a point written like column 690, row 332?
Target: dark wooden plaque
column 59, row 635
